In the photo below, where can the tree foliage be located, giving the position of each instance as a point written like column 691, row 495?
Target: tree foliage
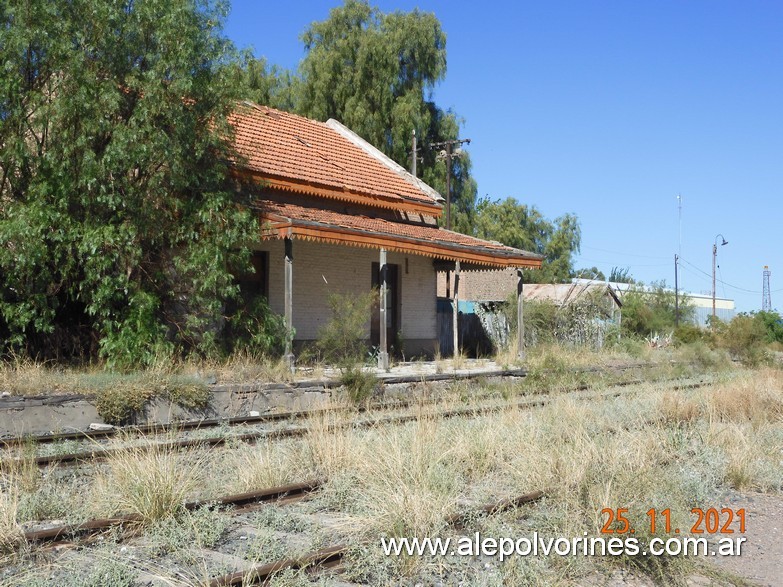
column 375, row 73
column 621, row 275
column 650, row 310
column 117, row 218
column 525, row 227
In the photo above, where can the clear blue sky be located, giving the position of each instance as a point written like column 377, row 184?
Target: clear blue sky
column 609, row 110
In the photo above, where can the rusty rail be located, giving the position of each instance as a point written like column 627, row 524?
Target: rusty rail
column 240, row 501
column 332, row 556
column 103, row 453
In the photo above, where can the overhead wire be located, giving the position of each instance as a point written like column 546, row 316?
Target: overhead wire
column 724, row 283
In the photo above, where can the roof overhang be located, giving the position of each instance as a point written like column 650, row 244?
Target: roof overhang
column 429, row 241
column 344, row 194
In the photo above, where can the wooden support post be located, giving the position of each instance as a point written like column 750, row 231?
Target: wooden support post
column 383, row 354
column 520, row 319
column 288, row 287
column 455, row 315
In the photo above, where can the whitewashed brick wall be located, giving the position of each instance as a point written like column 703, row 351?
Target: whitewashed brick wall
column 321, row 269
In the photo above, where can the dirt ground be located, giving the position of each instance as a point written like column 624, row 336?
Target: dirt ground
column 761, row 560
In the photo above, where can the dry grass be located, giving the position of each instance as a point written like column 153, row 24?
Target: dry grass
column 150, row 481
column 751, row 399
column 11, row 535
column 240, row 368
column 257, row 466
column 657, row 449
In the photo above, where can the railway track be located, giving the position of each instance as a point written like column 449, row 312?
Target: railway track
column 331, row 557
column 322, row 559
column 295, row 431
column 95, row 436
column 239, row 503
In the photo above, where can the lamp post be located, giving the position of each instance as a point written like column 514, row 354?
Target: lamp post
column 714, row 258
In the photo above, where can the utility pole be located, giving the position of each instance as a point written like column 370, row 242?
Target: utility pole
column 447, row 153
column 676, row 293
column 714, row 259
column 414, row 154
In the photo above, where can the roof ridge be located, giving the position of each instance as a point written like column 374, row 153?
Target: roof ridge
column 384, row 159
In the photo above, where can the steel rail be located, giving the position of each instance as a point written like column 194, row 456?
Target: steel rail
column 295, row 432
column 187, row 425
column 239, row 502
column 332, row 556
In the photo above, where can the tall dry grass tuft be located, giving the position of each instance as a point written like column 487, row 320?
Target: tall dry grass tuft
column 258, row 467
column 756, row 398
column 405, row 484
column 675, row 407
column 23, row 376
column 150, row 480
column 11, row 535
column 327, row 449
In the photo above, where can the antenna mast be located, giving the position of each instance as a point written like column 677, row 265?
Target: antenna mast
column 766, row 299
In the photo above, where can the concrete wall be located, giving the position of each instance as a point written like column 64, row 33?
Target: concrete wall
column 321, row 269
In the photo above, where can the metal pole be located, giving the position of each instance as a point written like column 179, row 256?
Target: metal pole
column 448, row 186
column 520, row 318
column 455, row 316
column 714, row 257
column 413, row 157
column 676, row 294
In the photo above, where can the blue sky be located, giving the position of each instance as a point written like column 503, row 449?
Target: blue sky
column 609, row 110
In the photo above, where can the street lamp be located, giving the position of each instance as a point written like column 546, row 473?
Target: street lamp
column 714, row 257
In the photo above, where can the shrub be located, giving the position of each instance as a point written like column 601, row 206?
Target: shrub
column 358, row 383
column 744, row 337
column 688, row 334
column 120, row 399
column 256, row 330
column 342, row 340
column 653, row 309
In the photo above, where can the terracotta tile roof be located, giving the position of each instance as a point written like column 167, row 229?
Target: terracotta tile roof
column 428, row 240
column 324, row 159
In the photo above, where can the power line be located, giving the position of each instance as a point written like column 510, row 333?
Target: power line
column 614, row 263
column 624, row 254
column 724, row 282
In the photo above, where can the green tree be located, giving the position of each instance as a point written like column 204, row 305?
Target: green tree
column 621, row 275
column 524, row 227
column 652, row 310
column 375, row 73
column 772, row 323
column 590, row 273
column 255, row 80
column 117, row 217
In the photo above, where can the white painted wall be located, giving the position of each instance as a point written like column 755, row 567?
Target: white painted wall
column 321, row 269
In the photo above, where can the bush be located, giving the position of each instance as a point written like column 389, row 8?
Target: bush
column 358, row 383
column 652, row 310
column 744, row 337
column 120, row 401
column 688, row 334
column 342, row 340
column 256, row 330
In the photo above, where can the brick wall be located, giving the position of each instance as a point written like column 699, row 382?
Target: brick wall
column 321, row 269
column 493, row 285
